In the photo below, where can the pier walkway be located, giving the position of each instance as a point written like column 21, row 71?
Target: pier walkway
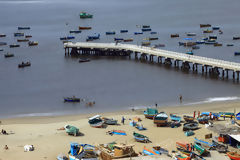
column 149, row 52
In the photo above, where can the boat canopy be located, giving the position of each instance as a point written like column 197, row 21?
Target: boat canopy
column 152, row 111
column 95, row 117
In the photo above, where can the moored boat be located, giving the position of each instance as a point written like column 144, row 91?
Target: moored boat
column 161, row 119
column 118, row 39
column 233, row 155
column 71, row 99
column 85, row 15
column 201, row 150
column 212, row 37
column 205, row 25
column 190, row 126
column 110, row 33
column 215, row 28
column 230, row 45
column 22, row 40
column 210, row 42
column 93, row 37
column 2, row 35
column 217, row 44
column 81, row 60
column 158, row 45
column 75, row 31
column 96, row 121
column 32, row 43
column 136, row 33
column 191, row 34
column 236, row 37
column 153, row 32
column 146, row 29
column 24, row 64
column 153, row 38
column 7, row 55
column 146, row 43
column 140, row 138
column 123, row 31
column 207, row 31
column 14, row 45
column 18, row 34
column 24, row 28
column 1, row 49
column 84, row 28
column 195, row 47
column 145, row 26
column 3, row 43
column 150, row 113
column 237, row 53
column 128, row 40
column 189, row 52
column 174, row 35
column 28, row 36
column 188, row 118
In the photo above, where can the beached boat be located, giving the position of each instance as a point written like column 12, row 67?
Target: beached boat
column 22, row 40
column 221, row 148
column 3, row 43
column 84, row 28
column 136, row 33
column 14, row 45
column 62, row 157
column 32, row 43
column 201, row 150
column 117, row 132
column 146, row 29
column 190, row 126
column 150, row 113
column 81, row 60
column 24, row 28
column 140, row 138
column 217, row 44
column 238, row 116
column 96, row 121
column 174, row 35
column 236, row 37
column 203, row 119
column 75, row 31
column 233, row 155
column 180, row 157
column 207, row 31
column 18, row 34
column 205, row 25
column 2, row 35
column 191, row 34
column 123, row 31
column 189, row 133
column 8, row 55
column 153, row 32
column 24, row 64
column 82, row 152
column 160, row 150
column 149, row 152
column 71, row 99
column 71, row 130
column 205, row 144
column 85, row 15
column 28, row 36
column 110, row 33
column 184, row 151
column 158, row 45
column 237, row 53
column 174, row 117
column 146, row 43
column 161, row 119
column 227, row 114
column 110, row 121
column 184, row 145
column 113, row 151
column 93, row 37
column 188, row 118
column 128, row 40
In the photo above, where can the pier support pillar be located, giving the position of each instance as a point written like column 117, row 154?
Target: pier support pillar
column 223, row 73
column 65, row 51
column 202, row 69
column 233, row 75
column 159, row 59
column 136, row 55
column 237, row 75
column 227, row 74
column 175, row 63
column 193, row 67
column 196, row 67
column 206, row 68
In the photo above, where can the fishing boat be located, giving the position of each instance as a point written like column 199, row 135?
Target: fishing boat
column 200, row 42
column 110, row 33
column 221, row 148
column 85, row 15
column 237, row 53
column 189, row 133
column 205, row 25
column 217, row 44
column 24, row 64
column 161, row 119
column 123, row 31
column 146, row 43
column 136, row 33
column 190, row 126
column 227, row 114
column 158, row 45
column 153, row 38
column 75, row 31
column 205, row 144
column 84, row 28
column 189, row 52
column 201, row 150
column 180, row 157
column 2, row 35
column 210, row 42
column 188, row 118
column 160, row 150
column 167, row 62
column 96, row 121
column 146, row 29
column 212, row 37
column 8, row 55
column 82, row 152
column 153, row 32
column 195, row 47
column 63, row 38
column 149, row 152
column 22, row 40
column 238, row 116
column 70, row 37
column 207, row 31
column 14, row 45
column 174, row 35
column 230, row 45
column 32, row 43
column 1, row 49
column 184, row 151
column 140, row 138
column 150, row 113
column 3, row 43
column 71, row 99
column 71, row 130
column 128, row 40
column 24, row 28
column 191, row 34
column 28, row 36
column 93, row 37
column 174, row 117
column 110, row 121
column 118, row 39
column 203, row 119
column 184, row 145
column 233, row 155
column 81, row 60
column 236, row 37
column 145, row 26
column 18, row 34
column 62, row 157
column 215, row 28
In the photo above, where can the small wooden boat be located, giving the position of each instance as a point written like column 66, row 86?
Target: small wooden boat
column 146, row 29
column 123, row 31
column 195, row 47
column 168, row 62
column 189, row 133
column 1, row 49
column 184, row 145
column 24, row 28
column 160, row 150
column 149, row 152
column 63, row 38
column 161, row 119
column 230, row 45
column 174, row 117
column 28, row 36
column 145, row 26
column 221, row 148
column 110, row 33
column 84, row 60
column 200, row 42
column 201, row 150
column 189, row 52
column 18, row 34
column 96, row 121
column 153, row 32
column 128, row 40
column 73, row 31
column 180, row 157
column 117, row 132
column 188, row 118
column 217, row 44
column 110, row 121
column 32, row 43
column 70, row 37
column 71, row 99
column 150, row 113
column 205, row 144
column 190, row 126
column 85, row 15
column 8, row 55
column 158, row 45
column 93, row 37
column 24, row 64
column 174, row 35
column 210, row 42
column 2, row 35
column 14, row 45
column 140, row 138
column 238, row 116
column 118, row 39
column 71, row 130
column 62, row 157
column 207, row 31
column 205, row 25
column 203, row 119
column 22, row 40
column 136, row 33
column 215, row 28
column 233, row 155
column 236, row 37
column 84, row 28
column 146, row 43
column 212, row 37
column 237, row 53
column 191, row 34
column 3, row 43
column 184, row 151
column 153, row 38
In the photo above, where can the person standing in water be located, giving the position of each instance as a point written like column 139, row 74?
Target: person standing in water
column 180, row 98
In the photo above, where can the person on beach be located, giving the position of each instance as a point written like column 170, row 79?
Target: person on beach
column 156, row 105
column 192, row 147
column 6, row 147
column 123, row 119
column 180, row 98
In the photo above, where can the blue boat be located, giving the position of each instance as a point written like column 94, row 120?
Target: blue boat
column 71, row 99
column 181, row 43
column 174, row 117
column 118, row 39
column 215, row 28
column 82, row 151
column 123, row 31
column 138, row 33
column 3, row 43
column 189, row 52
column 238, row 116
column 63, row 38
column 149, row 152
column 75, row 31
column 140, row 138
column 146, row 29
column 200, row 42
column 95, row 36
column 110, row 33
column 205, row 38
column 18, row 34
column 205, row 144
column 70, row 37
column 23, row 28
column 153, row 33
column 237, row 53
column 150, row 113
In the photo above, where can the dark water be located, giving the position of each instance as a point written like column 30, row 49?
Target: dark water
column 115, row 84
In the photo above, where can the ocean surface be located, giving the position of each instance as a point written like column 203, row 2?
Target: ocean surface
column 113, row 83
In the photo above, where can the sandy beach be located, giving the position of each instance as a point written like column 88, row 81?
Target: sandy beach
column 42, row 133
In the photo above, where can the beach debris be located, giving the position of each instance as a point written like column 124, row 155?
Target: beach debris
column 6, row 147
column 4, row 132
column 28, row 148
column 117, row 132
column 71, row 130
column 62, row 157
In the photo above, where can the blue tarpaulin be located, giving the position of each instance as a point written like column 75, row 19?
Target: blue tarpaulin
column 188, row 38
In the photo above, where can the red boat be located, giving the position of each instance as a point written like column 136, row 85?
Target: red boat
column 180, row 157
column 184, row 145
column 233, row 155
column 82, row 28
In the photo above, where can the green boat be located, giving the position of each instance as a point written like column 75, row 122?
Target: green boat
column 200, row 149
column 71, row 130
column 85, row 15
